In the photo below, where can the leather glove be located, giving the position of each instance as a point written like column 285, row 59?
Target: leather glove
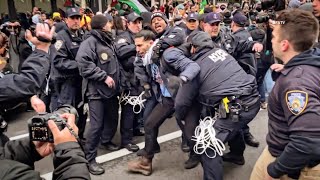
column 174, row 83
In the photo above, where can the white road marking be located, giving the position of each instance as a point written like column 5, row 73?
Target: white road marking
column 123, row 152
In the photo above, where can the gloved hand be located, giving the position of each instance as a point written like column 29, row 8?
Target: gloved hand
column 157, row 53
column 174, row 83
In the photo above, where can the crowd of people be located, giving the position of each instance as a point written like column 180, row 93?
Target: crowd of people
column 188, row 61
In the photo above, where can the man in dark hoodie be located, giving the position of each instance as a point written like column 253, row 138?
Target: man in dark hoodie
column 99, row 67
column 294, row 130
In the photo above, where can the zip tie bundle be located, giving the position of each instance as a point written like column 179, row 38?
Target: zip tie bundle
column 205, row 137
column 134, row 101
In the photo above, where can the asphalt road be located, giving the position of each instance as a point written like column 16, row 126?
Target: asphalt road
column 167, row 165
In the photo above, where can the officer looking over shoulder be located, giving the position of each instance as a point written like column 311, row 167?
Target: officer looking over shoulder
column 293, row 139
column 236, row 47
column 99, row 67
column 68, row 82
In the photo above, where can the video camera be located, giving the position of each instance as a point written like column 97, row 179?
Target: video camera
column 38, row 125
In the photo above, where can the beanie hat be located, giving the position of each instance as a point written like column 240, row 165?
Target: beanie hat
column 99, row 21
column 158, row 14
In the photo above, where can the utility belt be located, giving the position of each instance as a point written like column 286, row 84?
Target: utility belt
column 231, row 107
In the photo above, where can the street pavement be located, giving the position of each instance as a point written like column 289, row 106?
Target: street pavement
column 167, row 165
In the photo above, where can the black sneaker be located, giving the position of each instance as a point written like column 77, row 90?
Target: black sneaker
column 95, row 168
column 235, row 159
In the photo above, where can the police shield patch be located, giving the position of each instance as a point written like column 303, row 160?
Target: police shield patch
column 58, row 44
column 297, row 101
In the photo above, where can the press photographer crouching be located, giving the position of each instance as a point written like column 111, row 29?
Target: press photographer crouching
column 17, row 157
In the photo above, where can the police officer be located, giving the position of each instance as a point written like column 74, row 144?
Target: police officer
column 126, row 55
column 215, row 86
column 293, row 139
column 152, row 75
column 66, row 77
column 246, row 60
column 99, row 67
column 235, row 46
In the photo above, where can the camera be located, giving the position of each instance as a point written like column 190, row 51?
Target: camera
column 38, row 125
column 276, row 5
column 265, row 17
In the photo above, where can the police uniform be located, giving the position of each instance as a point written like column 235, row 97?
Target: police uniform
column 126, row 51
column 66, row 77
column 214, row 85
column 97, row 60
column 293, row 139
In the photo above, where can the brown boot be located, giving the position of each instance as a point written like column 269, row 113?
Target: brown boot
column 142, row 165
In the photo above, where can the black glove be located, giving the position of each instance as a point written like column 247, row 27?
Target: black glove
column 157, row 53
column 174, row 83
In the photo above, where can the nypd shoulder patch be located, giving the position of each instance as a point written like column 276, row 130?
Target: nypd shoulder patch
column 121, row 40
column 58, row 44
column 296, row 101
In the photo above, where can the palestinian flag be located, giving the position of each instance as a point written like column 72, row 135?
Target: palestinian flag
column 135, row 5
column 202, row 5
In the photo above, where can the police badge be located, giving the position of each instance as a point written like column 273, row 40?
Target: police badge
column 104, row 56
column 296, row 101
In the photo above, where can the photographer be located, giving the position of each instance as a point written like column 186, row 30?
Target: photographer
column 33, row 71
column 17, row 157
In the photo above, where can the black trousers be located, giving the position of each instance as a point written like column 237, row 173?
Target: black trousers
column 126, row 125
column 228, row 131
column 103, row 124
column 158, row 115
column 187, row 111
column 69, row 92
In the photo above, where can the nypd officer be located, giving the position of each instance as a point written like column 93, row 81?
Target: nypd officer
column 99, row 67
column 126, row 52
column 293, row 139
column 236, row 47
column 66, row 77
column 234, row 93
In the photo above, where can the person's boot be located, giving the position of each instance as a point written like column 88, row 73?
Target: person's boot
column 232, row 158
column 142, row 152
column 192, row 162
column 184, row 145
column 263, row 105
column 142, row 165
column 95, row 168
column 250, row 140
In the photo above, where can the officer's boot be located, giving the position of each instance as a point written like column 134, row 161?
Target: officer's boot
column 250, row 140
column 142, row 165
column 234, row 158
column 193, row 161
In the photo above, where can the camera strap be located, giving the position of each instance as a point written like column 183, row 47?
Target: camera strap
column 74, row 134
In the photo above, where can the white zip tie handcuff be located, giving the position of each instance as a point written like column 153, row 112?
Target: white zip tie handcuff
column 205, row 137
column 134, row 101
